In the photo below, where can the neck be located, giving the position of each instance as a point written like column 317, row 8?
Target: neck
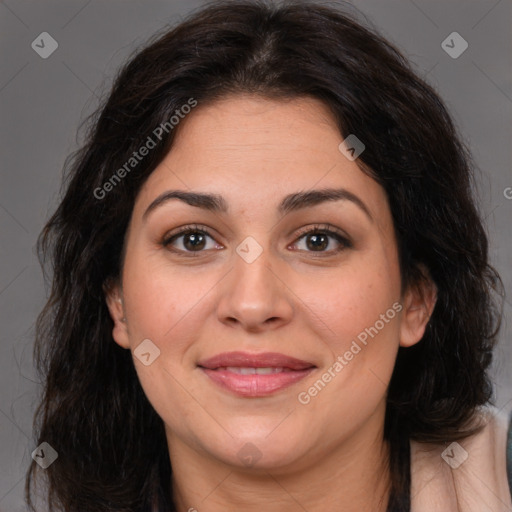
column 352, row 476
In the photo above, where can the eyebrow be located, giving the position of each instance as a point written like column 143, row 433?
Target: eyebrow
column 292, row 202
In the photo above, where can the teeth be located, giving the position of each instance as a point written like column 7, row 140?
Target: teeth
column 253, row 371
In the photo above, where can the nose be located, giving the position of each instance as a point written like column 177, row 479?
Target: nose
column 254, row 296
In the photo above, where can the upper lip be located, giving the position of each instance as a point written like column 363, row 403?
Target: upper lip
column 248, row 360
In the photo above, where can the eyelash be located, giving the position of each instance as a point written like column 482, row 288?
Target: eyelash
column 325, row 229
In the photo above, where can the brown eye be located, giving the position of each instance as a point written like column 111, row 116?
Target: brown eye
column 194, row 241
column 318, row 240
column 189, row 240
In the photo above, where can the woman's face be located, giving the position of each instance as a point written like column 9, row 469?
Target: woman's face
column 248, row 278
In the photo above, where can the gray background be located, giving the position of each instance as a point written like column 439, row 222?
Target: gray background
column 42, row 102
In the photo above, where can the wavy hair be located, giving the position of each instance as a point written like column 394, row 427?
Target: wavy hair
column 112, row 447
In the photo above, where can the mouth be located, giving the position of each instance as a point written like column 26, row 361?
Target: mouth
column 255, row 375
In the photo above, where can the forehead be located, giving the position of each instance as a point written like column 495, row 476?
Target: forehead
column 295, row 132
column 254, row 151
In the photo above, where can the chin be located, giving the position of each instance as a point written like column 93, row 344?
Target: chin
column 261, row 452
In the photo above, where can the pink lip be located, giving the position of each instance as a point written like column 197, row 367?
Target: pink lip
column 248, row 360
column 255, row 385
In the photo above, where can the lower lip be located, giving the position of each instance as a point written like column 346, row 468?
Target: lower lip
column 256, row 385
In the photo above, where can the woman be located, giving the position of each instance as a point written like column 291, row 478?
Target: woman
column 270, row 275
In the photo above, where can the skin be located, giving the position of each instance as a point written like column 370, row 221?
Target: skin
column 328, row 454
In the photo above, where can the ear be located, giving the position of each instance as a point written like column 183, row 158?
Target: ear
column 114, row 299
column 418, row 304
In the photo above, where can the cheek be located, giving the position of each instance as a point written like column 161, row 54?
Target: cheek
column 353, row 299
column 164, row 306
column 168, row 393
column 161, row 298
column 360, row 319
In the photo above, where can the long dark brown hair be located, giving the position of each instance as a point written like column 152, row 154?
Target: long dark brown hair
column 111, row 443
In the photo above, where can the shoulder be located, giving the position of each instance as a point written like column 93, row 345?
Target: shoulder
column 470, row 474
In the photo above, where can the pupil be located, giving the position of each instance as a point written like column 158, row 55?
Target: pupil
column 194, row 241
column 317, row 241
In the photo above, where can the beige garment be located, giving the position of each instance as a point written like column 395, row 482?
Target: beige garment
column 468, row 476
